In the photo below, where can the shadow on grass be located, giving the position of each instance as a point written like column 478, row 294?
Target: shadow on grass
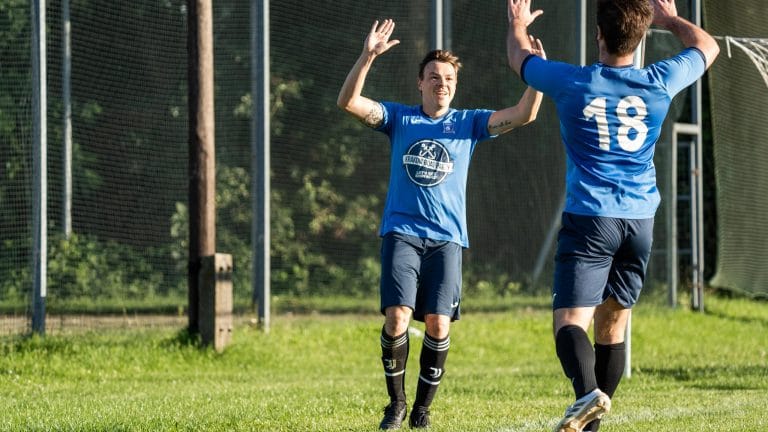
column 735, row 294
column 744, row 319
column 737, row 316
column 184, row 338
column 715, row 377
column 364, row 306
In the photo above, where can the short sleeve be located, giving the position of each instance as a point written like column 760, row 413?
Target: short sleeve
column 546, row 76
column 680, row 71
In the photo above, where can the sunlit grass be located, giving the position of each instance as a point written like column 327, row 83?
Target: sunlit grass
column 320, row 372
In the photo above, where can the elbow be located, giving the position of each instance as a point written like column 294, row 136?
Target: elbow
column 347, row 103
column 534, row 111
column 710, row 50
column 714, row 52
column 531, row 118
column 342, row 103
column 345, row 106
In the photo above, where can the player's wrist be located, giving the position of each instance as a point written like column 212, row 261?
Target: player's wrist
column 518, row 21
column 367, row 56
column 667, row 21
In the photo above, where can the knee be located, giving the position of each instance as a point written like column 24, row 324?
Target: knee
column 438, row 326
column 609, row 335
column 397, row 320
column 611, row 323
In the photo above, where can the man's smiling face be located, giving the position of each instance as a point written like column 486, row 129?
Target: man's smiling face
column 438, row 85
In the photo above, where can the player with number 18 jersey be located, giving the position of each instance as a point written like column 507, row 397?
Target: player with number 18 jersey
column 611, row 114
column 610, row 120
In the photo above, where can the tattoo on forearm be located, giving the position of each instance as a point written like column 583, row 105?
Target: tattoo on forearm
column 501, row 126
column 374, row 117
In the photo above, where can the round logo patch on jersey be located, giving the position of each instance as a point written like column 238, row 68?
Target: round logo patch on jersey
column 427, row 163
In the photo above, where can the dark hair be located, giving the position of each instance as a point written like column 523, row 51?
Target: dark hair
column 623, row 23
column 441, row 56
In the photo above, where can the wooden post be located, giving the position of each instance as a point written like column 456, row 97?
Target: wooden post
column 202, row 160
column 216, row 300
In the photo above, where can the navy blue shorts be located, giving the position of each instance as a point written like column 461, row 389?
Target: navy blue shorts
column 600, row 257
column 423, row 274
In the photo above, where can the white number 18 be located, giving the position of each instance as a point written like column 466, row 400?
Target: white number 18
column 597, row 110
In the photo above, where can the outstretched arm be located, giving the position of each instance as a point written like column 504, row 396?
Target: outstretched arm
column 526, row 109
column 519, row 45
column 691, row 35
column 350, row 97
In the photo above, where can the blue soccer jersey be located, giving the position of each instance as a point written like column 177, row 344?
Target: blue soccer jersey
column 610, row 120
column 428, row 170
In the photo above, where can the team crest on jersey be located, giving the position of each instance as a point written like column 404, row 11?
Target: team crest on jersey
column 427, row 163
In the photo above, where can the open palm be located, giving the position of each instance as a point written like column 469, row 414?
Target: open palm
column 378, row 41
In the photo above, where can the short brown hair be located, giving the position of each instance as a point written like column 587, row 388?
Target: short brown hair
column 441, row 56
column 623, row 23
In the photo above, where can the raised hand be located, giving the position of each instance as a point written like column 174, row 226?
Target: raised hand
column 378, row 41
column 663, row 10
column 537, row 47
column 521, row 9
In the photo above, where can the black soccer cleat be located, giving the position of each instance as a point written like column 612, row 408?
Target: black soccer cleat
column 394, row 414
column 419, row 417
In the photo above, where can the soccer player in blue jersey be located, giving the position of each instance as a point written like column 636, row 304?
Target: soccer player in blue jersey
column 611, row 115
column 424, row 227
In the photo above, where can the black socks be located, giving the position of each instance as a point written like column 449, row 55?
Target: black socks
column 394, row 355
column 577, row 358
column 588, row 368
column 434, row 352
column 609, row 368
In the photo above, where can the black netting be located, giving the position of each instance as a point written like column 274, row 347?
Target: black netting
column 740, row 138
column 329, row 173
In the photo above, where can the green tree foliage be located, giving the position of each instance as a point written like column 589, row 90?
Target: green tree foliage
column 15, row 156
column 85, row 268
column 328, row 173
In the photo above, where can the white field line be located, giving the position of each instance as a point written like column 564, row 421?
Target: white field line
column 645, row 414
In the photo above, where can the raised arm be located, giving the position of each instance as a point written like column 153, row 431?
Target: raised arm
column 691, row 35
column 518, row 43
column 527, row 108
column 350, row 97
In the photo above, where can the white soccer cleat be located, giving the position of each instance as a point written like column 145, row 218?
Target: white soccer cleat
column 592, row 406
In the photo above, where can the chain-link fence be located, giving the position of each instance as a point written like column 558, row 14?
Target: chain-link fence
column 127, row 253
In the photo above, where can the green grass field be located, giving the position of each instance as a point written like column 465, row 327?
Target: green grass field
column 319, row 372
